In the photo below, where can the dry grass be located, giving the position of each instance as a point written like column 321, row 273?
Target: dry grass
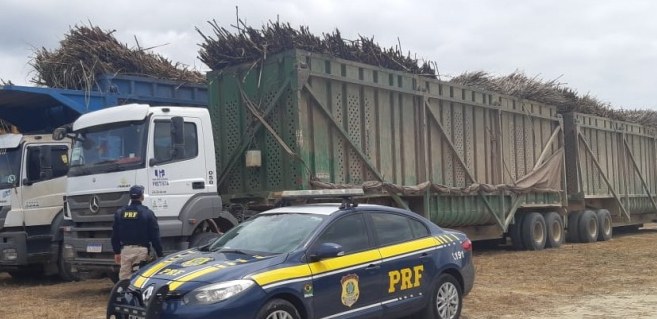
column 509, row 284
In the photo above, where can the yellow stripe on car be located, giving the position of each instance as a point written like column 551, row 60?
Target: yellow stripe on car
column 174, row 284
column 404, row 248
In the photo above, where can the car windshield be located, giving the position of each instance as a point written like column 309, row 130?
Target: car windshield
column 108, row 148
column 10, row 165
column 269, row 234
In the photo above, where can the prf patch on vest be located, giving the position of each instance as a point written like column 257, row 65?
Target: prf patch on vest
column 130, row 214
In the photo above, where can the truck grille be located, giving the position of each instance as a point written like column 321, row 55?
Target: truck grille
column 96, row 207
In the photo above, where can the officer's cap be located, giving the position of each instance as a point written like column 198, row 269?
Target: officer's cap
column 136, row 191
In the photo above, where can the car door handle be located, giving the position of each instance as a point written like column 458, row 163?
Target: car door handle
column 198, row 185
column 424, row 255
column 373, row 267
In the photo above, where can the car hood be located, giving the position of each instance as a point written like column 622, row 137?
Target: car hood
column 192, row 268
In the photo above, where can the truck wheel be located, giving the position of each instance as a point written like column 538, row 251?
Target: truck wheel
column 588, row 227
column 515, row 232
column 572, row 235
column 446, row 301
column 555, row 231
column 278, row 309
column 533, row 231
column 201, row 239
column 604, row 225
column 64, row 269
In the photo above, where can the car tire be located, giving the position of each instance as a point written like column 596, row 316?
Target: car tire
column 534, row 232
column 515, row 232
column 605, row 225
column 201, row 239
column 278, row 309
column 446, row 300
column 555, row 230
column 588, row 227
column 572, row 234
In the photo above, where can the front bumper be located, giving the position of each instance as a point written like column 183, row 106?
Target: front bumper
column 78, row 254
column 125, row 301
column 13, row 249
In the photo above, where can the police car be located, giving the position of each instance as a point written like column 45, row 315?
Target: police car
column 339, row 260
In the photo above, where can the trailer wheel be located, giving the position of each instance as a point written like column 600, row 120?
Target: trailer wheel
column 515, row 232
column 572, row 235
column 533, row 231
column 555, row 231
column 588, row 227
column 604, row 225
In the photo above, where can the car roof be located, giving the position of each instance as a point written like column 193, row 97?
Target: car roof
column 321, row 209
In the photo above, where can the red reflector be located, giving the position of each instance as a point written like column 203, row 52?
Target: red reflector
column 467, row 245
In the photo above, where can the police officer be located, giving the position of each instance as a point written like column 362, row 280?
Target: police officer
column 135, row 229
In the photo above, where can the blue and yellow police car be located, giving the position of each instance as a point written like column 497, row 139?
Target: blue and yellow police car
column 340, row 260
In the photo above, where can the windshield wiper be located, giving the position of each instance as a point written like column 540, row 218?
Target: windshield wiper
column 231, row 250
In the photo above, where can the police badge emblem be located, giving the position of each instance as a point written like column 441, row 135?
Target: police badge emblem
column 350, row 291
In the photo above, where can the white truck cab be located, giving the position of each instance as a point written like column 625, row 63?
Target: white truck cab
column 168, row 150
column 32, row 183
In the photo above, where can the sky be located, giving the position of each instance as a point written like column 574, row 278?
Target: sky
column 605, row 48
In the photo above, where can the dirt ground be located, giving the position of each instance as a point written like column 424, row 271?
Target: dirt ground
column 615, row 279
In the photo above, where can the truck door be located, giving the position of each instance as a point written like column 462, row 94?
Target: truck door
column 43, row 183
column 176, row 172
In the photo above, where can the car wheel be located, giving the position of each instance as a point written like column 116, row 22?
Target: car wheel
column 572, row 235
column 588, row 227
column 604, row 225
column 555, row 231
column 515, row 232
column 446, row 301
column 278, row 309
column 533, row 231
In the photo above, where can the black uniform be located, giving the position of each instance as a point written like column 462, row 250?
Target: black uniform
column 136, row 225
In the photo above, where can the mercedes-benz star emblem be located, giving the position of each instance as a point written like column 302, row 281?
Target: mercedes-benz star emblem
column 147, row 293
column 94, row 204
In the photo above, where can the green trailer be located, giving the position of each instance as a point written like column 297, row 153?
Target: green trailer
column 465, row 159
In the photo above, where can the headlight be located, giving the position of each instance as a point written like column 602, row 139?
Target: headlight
column 217, row 292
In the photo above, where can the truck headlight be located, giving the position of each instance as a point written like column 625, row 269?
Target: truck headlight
column 9, row 254
column 217, row 292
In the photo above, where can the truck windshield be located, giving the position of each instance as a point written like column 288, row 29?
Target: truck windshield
column 109, row 148
column 10, row 166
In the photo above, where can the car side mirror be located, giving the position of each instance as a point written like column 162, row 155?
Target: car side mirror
column 326, row 250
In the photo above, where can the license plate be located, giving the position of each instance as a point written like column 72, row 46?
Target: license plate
column 94, row 248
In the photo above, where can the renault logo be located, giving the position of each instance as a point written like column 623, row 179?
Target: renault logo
column 147, row 293
column 94, row 204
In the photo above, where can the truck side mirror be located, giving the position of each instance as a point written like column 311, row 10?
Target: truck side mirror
column 60, row 133
column 178, row 136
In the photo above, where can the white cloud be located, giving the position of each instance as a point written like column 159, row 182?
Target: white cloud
column 605, row 47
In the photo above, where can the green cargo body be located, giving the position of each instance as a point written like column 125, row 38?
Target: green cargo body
column 611, row 165
column 326, row 122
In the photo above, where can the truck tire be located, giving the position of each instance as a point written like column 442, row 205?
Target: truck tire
column 605, row 227
column 515, row 232
column 534, row 232
column 572, row 235
column 278, row 308
column 201, row 239
column 555, row 230
column 64, row 269
column 588, row 227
